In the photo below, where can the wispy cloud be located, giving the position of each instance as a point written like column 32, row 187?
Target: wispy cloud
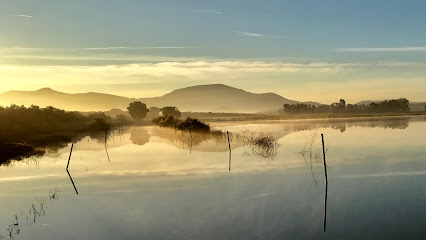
column 258, row 35
column 210, row 11
column 250, row 34
column 393, row 49
column 23, row 15
column 117, row 48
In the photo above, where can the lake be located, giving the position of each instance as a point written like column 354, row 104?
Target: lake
column 157, row 183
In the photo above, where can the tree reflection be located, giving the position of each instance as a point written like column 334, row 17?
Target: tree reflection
column 343, row 124
column 140, row 136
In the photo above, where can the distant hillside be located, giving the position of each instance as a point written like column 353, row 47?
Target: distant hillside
column 202, row 98
column 219, row 98
column 78, row 102
column 366, row 102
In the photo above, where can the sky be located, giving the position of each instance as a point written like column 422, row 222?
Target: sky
column 303, row 50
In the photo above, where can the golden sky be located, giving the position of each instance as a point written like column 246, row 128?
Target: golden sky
column 307, row 52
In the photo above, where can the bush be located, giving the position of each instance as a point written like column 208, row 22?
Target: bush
column 166, row 121
column 192, row 124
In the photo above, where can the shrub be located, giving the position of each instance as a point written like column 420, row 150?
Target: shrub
column 192, row 124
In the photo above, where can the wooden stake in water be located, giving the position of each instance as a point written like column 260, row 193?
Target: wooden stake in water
column 75, row 188
column 326, row 184
column 229, row 145
column 69, row 158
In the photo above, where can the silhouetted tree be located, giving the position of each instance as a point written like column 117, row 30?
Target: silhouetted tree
column 137, row 110
column 393, row 105
column 171, row 111
column 342, row 105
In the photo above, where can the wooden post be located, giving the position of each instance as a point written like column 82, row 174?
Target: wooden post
column 229, row 145
column 326, row 184
column 75, row 188
column 106, row 147
column 69, row 158
column 323, row 153
column 229, row 142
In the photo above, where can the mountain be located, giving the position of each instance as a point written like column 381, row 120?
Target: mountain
column 201, row 98
column 80, row 101
column 219, row 98
column 367, row 102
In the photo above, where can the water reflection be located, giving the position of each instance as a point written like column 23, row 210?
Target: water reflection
column 343, row 124
column 9, row 152
column 376, row 183
column 326, row 182
column 75, row 188
column 140, row 136
column 311, row 153
column 69, row 159
column 192, row 141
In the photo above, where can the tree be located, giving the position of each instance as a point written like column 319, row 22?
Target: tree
column 137, row 110
column 342, row 105
column 171, row 111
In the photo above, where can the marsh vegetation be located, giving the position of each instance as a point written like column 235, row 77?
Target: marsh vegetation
column 262, row 144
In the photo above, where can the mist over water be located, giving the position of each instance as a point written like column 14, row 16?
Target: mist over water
column 156, row 183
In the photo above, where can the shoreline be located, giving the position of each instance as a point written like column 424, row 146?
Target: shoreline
column 309, row 117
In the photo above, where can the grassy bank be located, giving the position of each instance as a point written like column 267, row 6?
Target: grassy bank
column 26, row 132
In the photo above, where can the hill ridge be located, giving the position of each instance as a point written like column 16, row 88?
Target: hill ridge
column 198, row 98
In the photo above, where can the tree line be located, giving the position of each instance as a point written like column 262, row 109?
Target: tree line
column 139, row 110
column 387, row 106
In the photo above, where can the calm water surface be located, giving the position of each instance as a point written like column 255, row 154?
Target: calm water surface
column 155, row 183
